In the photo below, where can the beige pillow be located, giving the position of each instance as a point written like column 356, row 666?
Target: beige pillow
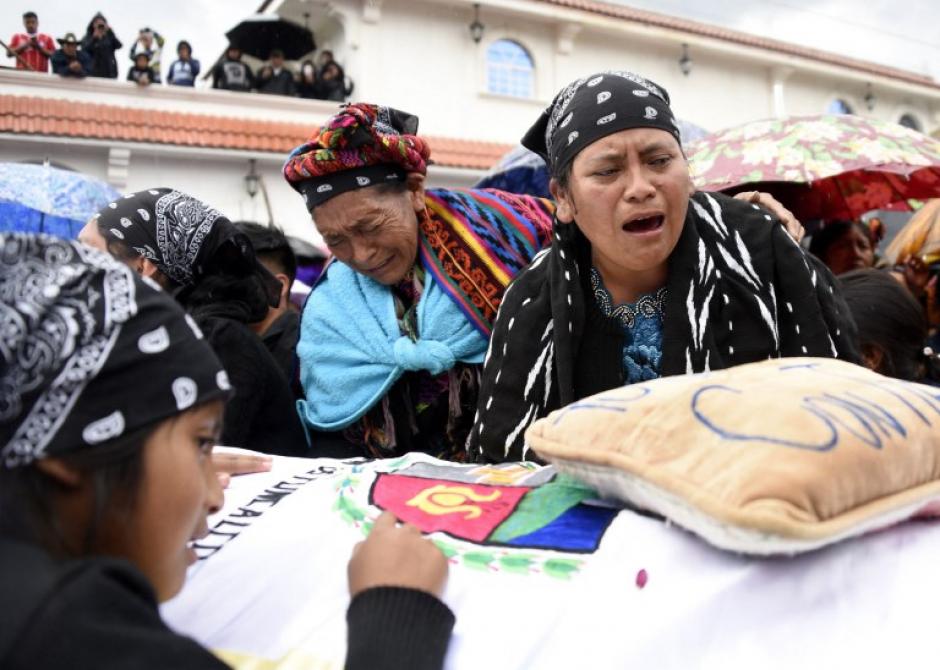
column 781, row 456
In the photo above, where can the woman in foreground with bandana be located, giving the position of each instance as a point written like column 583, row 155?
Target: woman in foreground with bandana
column 106, row 481
column 198, row 255
column 394, row 333
column 645, row 277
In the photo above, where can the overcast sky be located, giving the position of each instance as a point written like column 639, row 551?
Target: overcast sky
column 900, row 34
column 905, row 35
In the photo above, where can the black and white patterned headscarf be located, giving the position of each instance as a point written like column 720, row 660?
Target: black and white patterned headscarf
column 188, row 240
column 596, row 106
column 90, row 351
column 174, row 230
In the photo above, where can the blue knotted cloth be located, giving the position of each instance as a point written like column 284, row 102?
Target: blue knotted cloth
column 353, row 350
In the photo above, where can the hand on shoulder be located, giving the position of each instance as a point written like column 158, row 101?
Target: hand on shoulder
column 776, row 208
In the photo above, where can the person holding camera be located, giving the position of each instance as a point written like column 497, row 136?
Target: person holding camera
column 100, row 43
column 32, row 49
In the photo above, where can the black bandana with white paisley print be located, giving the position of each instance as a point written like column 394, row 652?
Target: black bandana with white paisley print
column 173, row 230
column 90, row 351
column 596, row 106
column 187, row 240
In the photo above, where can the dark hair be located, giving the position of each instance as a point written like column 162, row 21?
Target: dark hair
column 276, row 53
column 313, row 71
column 830, row 233
column 889, row 320
column 270, row 243
column 115, row 469
column 562, row 175
column 30, row 15
column 94, row 19
column 184, row 43
column 391, row 187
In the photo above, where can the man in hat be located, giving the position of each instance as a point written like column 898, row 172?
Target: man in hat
column 33, row 48
column 69, row 60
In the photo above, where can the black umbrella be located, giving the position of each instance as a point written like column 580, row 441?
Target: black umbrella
column 258, row 35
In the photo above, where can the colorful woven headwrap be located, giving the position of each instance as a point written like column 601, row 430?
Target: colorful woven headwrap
column 362, row 146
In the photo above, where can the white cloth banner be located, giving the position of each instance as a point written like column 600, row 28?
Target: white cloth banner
column 543, row 577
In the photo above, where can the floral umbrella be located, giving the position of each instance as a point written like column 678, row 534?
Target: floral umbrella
column 821, row 167
column 43, row 199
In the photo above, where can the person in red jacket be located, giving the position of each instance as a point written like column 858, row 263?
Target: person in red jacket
column 32, row 49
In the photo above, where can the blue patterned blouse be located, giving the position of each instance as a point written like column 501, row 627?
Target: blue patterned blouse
column 642, row 324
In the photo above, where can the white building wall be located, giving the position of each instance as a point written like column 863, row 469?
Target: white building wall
column 417, row 55
column 448, row 89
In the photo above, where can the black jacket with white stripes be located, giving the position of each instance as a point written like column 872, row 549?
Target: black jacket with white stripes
column 739, row 290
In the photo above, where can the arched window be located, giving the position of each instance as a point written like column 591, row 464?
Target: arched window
column 839, row 106
column 509, row 70
column 910, row 121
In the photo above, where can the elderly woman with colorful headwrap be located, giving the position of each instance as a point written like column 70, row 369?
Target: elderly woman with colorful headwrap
column 645, row 277
column 394, row 334
column 196, row 254
column 110, row 404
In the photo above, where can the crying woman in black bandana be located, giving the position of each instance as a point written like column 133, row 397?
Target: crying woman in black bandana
column 645, row 277
column 196, row 254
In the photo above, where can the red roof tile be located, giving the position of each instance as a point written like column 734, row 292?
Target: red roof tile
column 745, row 39
column 66, row 118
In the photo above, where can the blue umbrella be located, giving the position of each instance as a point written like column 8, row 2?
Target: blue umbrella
column 521, row 171
column 42, row 199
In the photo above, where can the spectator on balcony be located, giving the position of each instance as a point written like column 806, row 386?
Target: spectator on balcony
column 141, row 72
column 100, row 43
column 325, row 56
column 185, row 69
column 332, row 83
column 276, row 79
column 308, row 82
column 69, row 61
column 150, row 42
column 232, row 74
column 31, row 49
